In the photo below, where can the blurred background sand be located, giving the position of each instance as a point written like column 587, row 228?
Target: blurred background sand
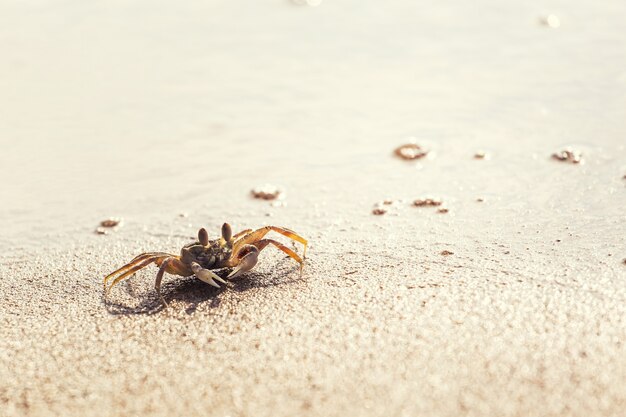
column 168, row 114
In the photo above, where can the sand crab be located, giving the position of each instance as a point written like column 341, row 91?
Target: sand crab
column 240, row 252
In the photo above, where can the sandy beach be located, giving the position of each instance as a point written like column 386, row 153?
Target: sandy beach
column 511, row 303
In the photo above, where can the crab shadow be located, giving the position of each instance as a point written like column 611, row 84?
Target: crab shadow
column 193, row 293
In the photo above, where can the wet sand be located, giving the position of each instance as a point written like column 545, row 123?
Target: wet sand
column 511, row 306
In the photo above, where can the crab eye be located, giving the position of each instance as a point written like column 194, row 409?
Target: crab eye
column 203, row 237
column 227, row 232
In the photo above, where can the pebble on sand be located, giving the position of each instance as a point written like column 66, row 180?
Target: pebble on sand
column 107, row 225
column 110, row 222
column 481, row 155
column 379, row 211
column 571, row 155
column 267, row 192
column 410, row 151
column 427, row 202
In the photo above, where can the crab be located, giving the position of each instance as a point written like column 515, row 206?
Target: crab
column 198, row 258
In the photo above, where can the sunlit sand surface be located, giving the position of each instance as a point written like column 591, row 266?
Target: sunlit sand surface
column 511, row 302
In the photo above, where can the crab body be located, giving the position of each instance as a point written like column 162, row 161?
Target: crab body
column 199, row 258
column 212, row 256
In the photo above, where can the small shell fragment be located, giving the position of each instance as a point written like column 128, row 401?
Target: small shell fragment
column 573, row 156
column 410, row 151
column 110, row 222
column 385, row 206
column 427, row 202
column 446, row 252
column 267, row 192
column 379, row 211
column 107, row 225
column 481, row 155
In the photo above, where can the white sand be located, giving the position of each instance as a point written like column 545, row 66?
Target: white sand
column 150, row 110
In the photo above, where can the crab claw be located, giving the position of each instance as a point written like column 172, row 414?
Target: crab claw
column 246, row 264
column 215, row 276
column 186, row 256
column 206, row 275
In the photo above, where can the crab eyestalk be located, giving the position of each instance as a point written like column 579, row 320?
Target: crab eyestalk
column 203, row 237
column 227, row 232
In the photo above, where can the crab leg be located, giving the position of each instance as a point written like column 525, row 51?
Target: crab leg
column 134, row 262
column 131, row 271
column 129, row 265
column 159, row 277
column 143, row 255
column 261, row 244
column 242, row 233
column 258, row 234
